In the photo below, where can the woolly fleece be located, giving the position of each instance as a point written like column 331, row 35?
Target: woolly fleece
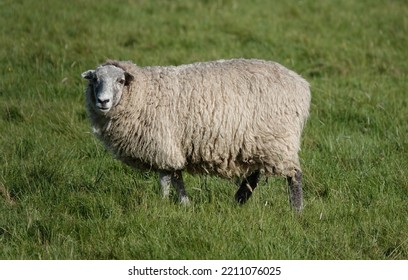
column 225, row 117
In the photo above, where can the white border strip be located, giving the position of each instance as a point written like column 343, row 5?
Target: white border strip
column 203, row 269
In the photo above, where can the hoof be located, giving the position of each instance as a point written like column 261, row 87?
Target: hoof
column 185, row 201
column 242, row 197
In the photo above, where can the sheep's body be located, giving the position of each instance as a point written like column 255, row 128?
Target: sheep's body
column 232, row 118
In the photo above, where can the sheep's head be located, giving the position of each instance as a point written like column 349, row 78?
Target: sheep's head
column 107, row 83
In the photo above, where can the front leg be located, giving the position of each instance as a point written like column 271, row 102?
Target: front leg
column 165, row 182
column 174, row 178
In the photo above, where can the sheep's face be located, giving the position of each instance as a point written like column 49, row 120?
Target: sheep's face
column 107, row 83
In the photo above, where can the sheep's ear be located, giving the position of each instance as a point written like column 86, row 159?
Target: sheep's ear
column 129, row 77
column 89, row 75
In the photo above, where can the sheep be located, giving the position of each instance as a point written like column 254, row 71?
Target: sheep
column 237, row 118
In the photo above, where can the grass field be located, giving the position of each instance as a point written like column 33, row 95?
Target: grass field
column 62, row 196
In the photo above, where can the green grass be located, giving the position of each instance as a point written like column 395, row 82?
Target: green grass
column 63, row 197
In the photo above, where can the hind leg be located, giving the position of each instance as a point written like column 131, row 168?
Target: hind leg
column 295, row 191
column 248, row 185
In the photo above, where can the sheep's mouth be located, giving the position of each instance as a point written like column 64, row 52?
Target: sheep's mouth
column 102, row 108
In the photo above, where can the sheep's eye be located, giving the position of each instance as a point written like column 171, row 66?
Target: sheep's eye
column 121, row 81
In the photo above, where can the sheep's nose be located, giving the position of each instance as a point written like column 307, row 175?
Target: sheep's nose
column 103, row 102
